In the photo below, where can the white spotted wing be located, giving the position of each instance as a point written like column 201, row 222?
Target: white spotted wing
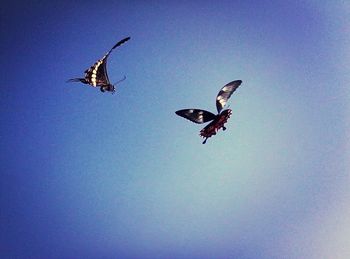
column 196, row 115
column 225, row 93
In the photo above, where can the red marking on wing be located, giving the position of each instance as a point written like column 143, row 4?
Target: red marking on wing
column 213, row 127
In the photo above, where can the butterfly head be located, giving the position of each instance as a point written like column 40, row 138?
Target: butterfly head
column 108, row 88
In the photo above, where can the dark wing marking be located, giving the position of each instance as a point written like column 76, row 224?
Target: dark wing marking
column 196, row 115
column 97, row 75
column 119, row 43
column 225, row 93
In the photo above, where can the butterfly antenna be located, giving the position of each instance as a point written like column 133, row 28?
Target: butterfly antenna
column 121, row 80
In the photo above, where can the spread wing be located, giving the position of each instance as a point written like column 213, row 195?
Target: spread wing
column 225, row 93
column 97, row 75
column 196, row 115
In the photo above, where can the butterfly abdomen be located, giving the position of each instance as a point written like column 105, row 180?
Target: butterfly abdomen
column 218, row 123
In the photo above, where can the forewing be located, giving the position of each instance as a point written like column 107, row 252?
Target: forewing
column 225, row 93
column 120, row 43
column 196, row 115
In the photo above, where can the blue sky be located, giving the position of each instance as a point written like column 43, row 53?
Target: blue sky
column 92, row 175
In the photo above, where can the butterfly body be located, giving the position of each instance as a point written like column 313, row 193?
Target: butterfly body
column 217, row 121
column 213, row 127
column 96, row 75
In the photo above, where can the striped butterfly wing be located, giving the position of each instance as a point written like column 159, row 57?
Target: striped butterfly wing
column 225, row 93
column 97, row 75
column 196, row 115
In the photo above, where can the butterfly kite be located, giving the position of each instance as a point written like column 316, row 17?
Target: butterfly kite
column 218, row 121
column 97, row 76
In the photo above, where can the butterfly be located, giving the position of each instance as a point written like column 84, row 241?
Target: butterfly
column 97, row 76
column 219, row 120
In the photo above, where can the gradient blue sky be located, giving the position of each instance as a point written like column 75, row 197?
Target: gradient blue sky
column 92, row 175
